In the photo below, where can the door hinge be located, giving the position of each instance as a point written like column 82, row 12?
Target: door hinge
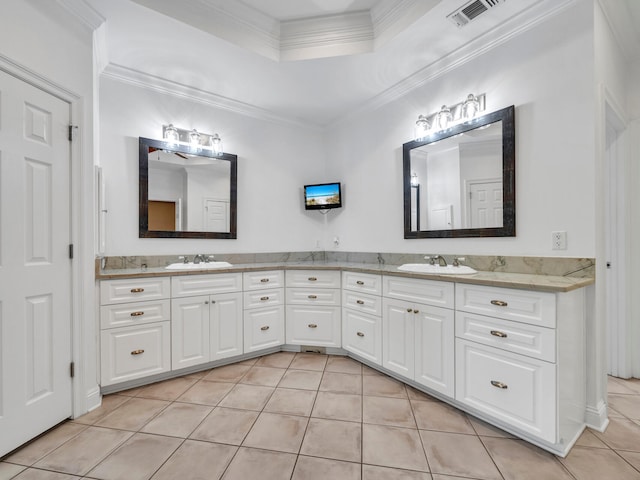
column 71, row 250
column 72, row 128
column 72, row 369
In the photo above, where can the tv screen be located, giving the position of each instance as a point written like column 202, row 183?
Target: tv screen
column 322, row 196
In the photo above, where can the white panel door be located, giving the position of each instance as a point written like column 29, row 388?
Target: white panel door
column 485, row 204
column 35, row 270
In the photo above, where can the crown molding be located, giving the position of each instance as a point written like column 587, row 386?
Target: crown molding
column 83, row 12
column 151, row 82
column 513, row 27
column 389, row 19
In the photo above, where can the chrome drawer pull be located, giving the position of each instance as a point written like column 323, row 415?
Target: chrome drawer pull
column 264, row 299
column 497, row 384
column 360, row 282
column 313, row 325
column 137, row 352
column 360, row 334
column 264, row 280
column 499, row 303
column 266, row 327
column 359, row 302
column 137, row 290
column 497, row 333
column 312, row 279
column 137, row 314
column 313, row 297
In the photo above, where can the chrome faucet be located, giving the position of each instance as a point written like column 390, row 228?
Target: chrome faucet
column 457, row 260
column 441, row 260
column 432, row 260
column 198, row 258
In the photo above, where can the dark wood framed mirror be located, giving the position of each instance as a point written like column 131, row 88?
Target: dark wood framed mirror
column 186, row 192
column 461, row 182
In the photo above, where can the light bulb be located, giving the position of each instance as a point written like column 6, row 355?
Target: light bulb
column 443, row 118
column 171, row 134
column 470, row 107
column 194, row 138
column 421, row 128
column 414, row 179
column 216, row 144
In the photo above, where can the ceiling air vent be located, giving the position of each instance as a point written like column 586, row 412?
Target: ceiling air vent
column 472, row 10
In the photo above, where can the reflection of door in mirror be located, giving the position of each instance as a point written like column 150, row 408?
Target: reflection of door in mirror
column 162, row 215
column 485, row 203
column 216, row 215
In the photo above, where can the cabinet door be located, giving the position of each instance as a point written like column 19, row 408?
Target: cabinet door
column 134, row 352
column 263, row 328
column 313, row 325
column 361, row 334
column 398, row 337
column 189, row 331
column 226, row 328
column 434, row 348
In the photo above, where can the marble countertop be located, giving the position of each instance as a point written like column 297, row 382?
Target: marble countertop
column 543, row 283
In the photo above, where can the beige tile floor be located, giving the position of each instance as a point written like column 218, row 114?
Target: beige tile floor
column 308, row 416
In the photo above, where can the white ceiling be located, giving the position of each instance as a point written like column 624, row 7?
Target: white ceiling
column 349, row 56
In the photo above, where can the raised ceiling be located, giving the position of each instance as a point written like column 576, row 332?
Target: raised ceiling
column 308, row 62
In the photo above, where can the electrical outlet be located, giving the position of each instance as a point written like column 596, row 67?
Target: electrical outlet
column 558, row 240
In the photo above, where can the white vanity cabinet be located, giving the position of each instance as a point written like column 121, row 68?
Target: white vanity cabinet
column 206, row 318
column 418, row 333
column 313, row 314
column 134, row 329
column 520, row 359
column 263, row 310
column 362, row 315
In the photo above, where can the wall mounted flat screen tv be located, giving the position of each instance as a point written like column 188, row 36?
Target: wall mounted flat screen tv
column 322, row 196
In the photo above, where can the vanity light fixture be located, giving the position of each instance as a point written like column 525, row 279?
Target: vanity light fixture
column 192, row 138
column 447, row 117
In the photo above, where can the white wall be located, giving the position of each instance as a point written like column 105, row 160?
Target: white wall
column 547, row 73
column 274, row 162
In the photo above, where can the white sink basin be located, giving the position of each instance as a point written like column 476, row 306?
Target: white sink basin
column 197, row 266
column 436, row 269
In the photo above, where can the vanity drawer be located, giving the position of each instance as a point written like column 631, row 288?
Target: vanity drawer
column 362, row 302
column 264, row 298
column 362, row 335
column 191, row 285
column 523, row 338
column 135, row 352
column 429, row 292
column 137, row 313
column 317, row 278
column 263, row 328
column 134, row 290
column 313, row 325
column 538, row 308
column 362, row 282
column 515, row 389
column 261, row 280
column 313, row 296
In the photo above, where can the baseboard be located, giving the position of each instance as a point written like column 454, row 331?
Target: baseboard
column 596, row 417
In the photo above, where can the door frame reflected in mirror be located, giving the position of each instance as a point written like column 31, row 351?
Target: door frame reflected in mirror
column 508, row 228
column 144, row 146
